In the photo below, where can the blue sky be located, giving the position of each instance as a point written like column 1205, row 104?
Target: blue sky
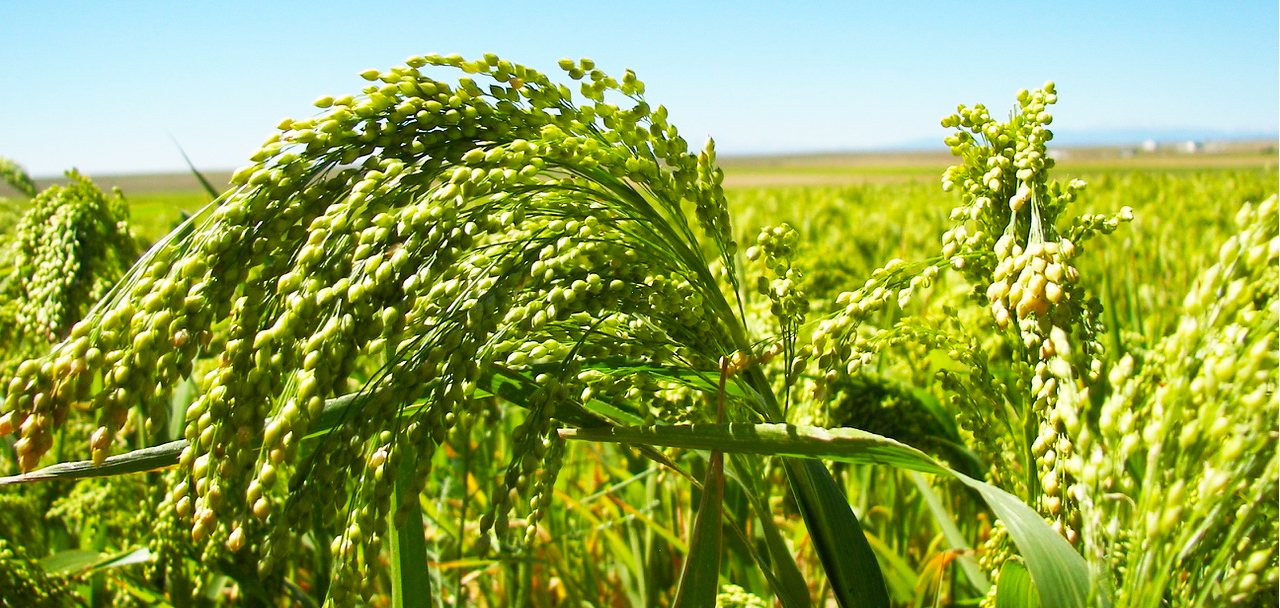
column 107, row 87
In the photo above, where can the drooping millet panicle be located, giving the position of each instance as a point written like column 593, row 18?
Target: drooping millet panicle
column 13, row 174
column 70, row 248
column 403, row 246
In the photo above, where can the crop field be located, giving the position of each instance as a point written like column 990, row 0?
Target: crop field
column 484, row 342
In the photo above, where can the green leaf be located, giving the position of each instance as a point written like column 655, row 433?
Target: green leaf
column 85, row 562
column 501, row 382
column 784, row 573
column 137, row 556
column 336, row 411
column 1060, row 574
column 137, row 461
column 208, row 187
column 846, row 555
column 410, row 579
column 700, row 576
column 166, row 455
column 955, row 539
column 1015, row 589
column 778, row 568
column 148, row 596
column 789, row 584
column 900, row 578
column 70, row 562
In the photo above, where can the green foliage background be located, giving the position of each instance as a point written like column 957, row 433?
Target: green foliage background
column 614, row 526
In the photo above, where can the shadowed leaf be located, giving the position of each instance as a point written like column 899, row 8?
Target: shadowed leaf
column 843, row 548
column 700, row 577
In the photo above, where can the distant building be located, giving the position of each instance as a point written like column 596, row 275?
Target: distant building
column 1150, row 145
column 1190, row 147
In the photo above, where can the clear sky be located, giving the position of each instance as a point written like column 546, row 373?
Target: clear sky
column 108, row 87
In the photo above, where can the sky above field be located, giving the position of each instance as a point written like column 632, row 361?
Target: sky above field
column 116, row 87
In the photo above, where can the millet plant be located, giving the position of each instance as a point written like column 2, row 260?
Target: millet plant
column 389, row 271
column 381, row 270
column 13, row 174
column 69, row 249
column 1110, row 458
column 64, row 251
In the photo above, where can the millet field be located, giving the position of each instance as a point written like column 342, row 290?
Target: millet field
column 482, row 336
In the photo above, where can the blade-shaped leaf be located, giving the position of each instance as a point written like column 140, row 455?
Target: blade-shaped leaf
column 336, row 411
column 410, row 580
column 775, row 570
column 1015, row 589
column 899, row 577
column 846, row 555
column 949, row 530
column 166, row 454
column 70, row 562
column 81, row 562
column 137, row 461
column 208, row 187
column 786, row 575
column 781, row 570
column 700, row 577
column 1060, row 574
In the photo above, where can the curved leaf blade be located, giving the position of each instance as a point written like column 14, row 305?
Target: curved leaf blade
column 700, row 576
column 1015, row 589
column 1060, row 574
column 779, row 567
column 949, row 531
column 138, row 461
column 83, row 562
column 842, row 547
